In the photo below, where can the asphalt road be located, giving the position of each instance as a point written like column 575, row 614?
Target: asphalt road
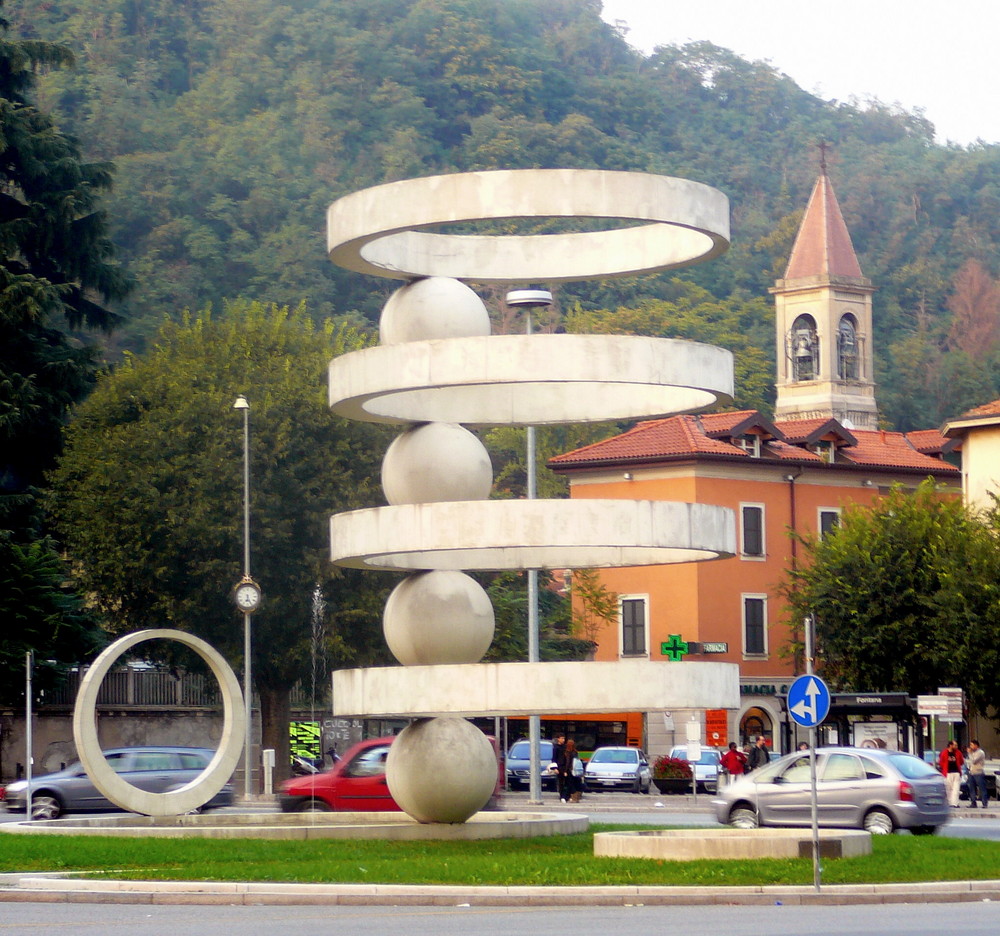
column 30, row 919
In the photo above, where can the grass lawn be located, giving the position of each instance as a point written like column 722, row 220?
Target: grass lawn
column 559, row 860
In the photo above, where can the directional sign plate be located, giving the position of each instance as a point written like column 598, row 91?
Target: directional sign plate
column 808, row 701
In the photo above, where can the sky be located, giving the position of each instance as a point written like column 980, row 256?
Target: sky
column 939, row 57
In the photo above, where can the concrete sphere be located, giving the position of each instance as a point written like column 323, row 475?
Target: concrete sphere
column 438, row 617
column 441, row 770
column 436, row 463
column 435, row 307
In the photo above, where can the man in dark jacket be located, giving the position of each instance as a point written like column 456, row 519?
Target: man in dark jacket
column 759, row 755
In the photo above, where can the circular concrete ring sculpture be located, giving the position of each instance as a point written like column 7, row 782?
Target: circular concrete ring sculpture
column 534, row 380
column 531, row 534
column 441, row 770
column 436, row 462
column 436, row 307
column 192, row 795
column 666, row 223
column 438, row 617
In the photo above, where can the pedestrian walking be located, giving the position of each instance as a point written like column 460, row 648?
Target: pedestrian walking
column 975, row 763
column 950, row 763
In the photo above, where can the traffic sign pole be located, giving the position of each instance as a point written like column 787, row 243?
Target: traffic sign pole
column 817, row 870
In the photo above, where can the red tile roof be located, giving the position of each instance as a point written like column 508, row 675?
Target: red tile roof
column 931, row 442
column 810, row 431
column 987, row 409
column 688, row 437
column 823, row 246
column 652, row 439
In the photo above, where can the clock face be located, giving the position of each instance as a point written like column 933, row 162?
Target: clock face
column 247, row 596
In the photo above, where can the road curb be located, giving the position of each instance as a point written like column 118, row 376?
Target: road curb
column 49, row 888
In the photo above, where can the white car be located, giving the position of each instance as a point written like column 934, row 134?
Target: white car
column 706, row 768
column 617, row 768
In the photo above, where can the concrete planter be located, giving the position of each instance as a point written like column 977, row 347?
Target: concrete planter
column 672, row 784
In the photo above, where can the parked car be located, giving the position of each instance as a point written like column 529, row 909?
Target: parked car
column 153, row 769
column 355, row 783
column 880, row 791
column 618, row 768
column 706, row 768
column 519, row 764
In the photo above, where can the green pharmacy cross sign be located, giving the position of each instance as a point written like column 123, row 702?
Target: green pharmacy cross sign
column 675, row 648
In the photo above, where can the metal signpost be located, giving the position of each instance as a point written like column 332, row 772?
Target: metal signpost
column 693, row 752
column 808, row 706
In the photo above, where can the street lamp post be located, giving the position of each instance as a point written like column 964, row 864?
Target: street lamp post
column 247, row 598
column 529, row 299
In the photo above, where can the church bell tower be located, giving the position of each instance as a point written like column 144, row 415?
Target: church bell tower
column 823, row 318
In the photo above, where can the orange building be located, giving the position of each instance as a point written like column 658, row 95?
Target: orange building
column 794, row 473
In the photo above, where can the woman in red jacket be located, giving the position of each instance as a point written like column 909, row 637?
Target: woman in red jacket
column 950, row 762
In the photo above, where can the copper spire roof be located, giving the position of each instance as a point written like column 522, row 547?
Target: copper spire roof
column 823, row 245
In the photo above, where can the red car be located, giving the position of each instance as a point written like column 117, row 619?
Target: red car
column 355, row 783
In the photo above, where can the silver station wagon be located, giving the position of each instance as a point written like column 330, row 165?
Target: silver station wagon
column 880, row 791
column 154, row 769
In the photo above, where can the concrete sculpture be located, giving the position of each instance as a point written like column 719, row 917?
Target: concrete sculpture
column 192, row 795
column 438, row 370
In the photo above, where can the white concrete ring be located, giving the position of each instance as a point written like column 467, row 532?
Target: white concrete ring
column 377, row 230
column 213, row 778
column 531, row 534
column 535, row 688
column 533, row 380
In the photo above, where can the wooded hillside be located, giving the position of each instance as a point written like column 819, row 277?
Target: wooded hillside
column 234, row 123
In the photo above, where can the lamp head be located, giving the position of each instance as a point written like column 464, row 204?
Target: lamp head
column 241, row 403
column 529, row 298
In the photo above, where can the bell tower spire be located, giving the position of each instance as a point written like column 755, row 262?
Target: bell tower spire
column 823, row 318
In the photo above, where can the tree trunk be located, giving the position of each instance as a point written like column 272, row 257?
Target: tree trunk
column 275, row 714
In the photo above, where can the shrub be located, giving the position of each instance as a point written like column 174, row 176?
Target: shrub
column 671, row 768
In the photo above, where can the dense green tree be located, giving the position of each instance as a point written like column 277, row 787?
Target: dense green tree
column 234, row 123
column 906, row 597
column 55, row 270
column 40, row 615
column 147, row 495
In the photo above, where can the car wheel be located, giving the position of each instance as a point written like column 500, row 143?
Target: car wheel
column 878, row 822
column 743, row 818
column 647, row 789
column 44, row 806
column 924, row 830
column 314, row 805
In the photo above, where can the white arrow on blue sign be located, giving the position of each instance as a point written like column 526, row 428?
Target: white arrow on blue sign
column 808, row 701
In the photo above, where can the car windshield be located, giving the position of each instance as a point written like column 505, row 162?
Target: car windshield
column 913, row 768
column 522, row 751
column 614, row 757
column 707, row 756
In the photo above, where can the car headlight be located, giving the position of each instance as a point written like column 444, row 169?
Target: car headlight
column 18, row 786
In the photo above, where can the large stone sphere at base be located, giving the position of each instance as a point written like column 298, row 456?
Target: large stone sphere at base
column 438, row 617
column 441, row 770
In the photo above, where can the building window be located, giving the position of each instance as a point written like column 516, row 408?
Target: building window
column 752, row 531
column 755, row 625
column 633, row 618
column 749, row 443
column 829, row 519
